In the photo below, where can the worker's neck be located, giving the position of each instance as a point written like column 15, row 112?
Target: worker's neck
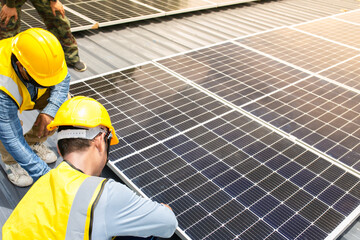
column 86, row 161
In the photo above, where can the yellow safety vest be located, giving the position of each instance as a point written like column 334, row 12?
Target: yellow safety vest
column 59, row 205
column 10, row 82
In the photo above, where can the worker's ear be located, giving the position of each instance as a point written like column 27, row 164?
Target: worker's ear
column 100, row 143
column 57, row 147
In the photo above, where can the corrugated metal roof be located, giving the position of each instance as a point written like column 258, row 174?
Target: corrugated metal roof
column 121, row 46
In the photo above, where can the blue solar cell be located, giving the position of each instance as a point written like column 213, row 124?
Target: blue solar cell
column 194, row 155
column 316, row 186
column 312, row 232
column 182, row 204
column 277, row 162
column 279, row 216
column 294, row 227
column 301, row 132
column 276, row 236
column 331, row 195
column 241, row 222
column 347, row 204
column 157, row 186
column 259, row 230
column 205, row 162
column 176, row 141
column 233, row 135
column 313, row 138
column 238, row 187
column 188, row 218
column 203, row 228
column 215, row 170
column 265, row 154
column 140, row 169
column 221, row 233
column 185, row 148
column 289, row 169
column 244, row 141
column 254, row 148
column 337, row 151
column 280, row 121
column 350, row 158
column 227, row 177
column 303, row 177
column 325, row 145
column 251, row 196
column 264, row 206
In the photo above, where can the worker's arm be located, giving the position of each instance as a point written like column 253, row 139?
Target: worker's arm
column 8, row 10
column 120, row 212
column 58, row 95
column 10, row 3
column 11, row 135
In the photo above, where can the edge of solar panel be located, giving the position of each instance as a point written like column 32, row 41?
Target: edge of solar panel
column 127, row 20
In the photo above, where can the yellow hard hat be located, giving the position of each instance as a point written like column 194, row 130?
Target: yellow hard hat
column 83, row 111
column 42, row 56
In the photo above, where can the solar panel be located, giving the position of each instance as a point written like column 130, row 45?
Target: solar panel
column 225, row 174
column 255, row 138
column 321, row 114
column 347, row 73
column 335, row 30
column 302, row 50
column 234, row 73
column 30, row 19
column 350, row 17
column 106, row 12
column 91, row 14
column 175, row 6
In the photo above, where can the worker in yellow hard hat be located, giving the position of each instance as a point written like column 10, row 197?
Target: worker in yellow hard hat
column 72, row 201
column 33, row 75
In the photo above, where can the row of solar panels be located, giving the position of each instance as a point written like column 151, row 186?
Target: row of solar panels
column 252, row 138
column 92, row 14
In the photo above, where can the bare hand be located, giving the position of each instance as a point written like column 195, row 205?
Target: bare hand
column 167, row 206
column 42, row 121
column 57, row 6
column 6, row 13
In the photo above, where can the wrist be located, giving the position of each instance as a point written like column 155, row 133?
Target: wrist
column 10, row 4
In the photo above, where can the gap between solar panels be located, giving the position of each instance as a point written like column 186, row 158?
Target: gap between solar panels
column 208, row 132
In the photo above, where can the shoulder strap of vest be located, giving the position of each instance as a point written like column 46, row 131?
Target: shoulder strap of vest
column 79, row 210
column 10, row 88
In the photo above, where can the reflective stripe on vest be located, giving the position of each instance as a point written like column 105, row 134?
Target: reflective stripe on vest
column 11, row 88
column 79, row 209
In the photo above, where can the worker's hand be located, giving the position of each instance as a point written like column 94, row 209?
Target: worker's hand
column 57, row 6
column 167, row 206
column 6, row 13
column 42, row 121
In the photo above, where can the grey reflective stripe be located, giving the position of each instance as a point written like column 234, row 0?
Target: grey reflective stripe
column 12, row 87
column 77, row 218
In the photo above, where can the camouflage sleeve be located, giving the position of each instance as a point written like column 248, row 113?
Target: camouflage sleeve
column 10, row 3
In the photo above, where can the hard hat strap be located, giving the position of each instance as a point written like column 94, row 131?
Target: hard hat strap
column 86, row 133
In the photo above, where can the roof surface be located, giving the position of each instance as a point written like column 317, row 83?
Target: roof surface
column 121, row 46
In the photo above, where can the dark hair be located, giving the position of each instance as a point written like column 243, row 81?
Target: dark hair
column 70, row 145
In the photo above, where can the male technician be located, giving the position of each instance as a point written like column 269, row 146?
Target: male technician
column 33, row 75
column 71, row 201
